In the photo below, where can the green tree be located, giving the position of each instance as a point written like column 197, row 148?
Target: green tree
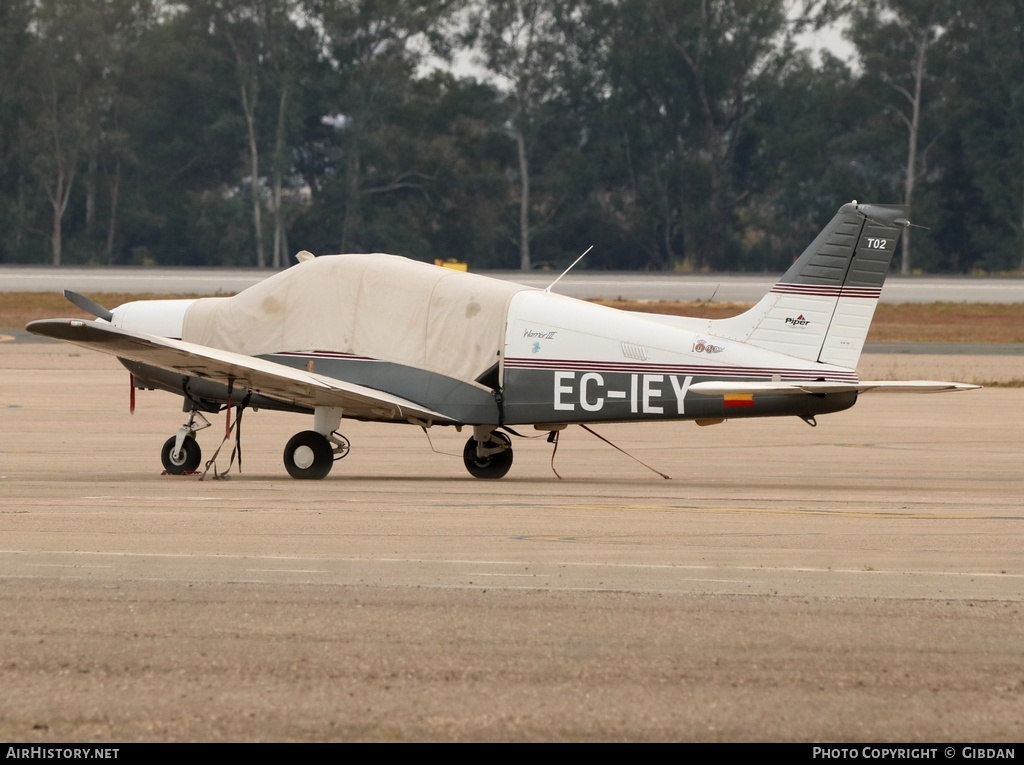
column 264, row 45
column 987, row 42
column 372, row 50
column 72, row 130
column 726, row 46
column 896, row 40
column 125, row 23
column 676, row 94
column 16, row 105
column 447, row 130
column 67, row 76
column 520, row 45
column 799, row 163
column 637, row 105
column 183, row 200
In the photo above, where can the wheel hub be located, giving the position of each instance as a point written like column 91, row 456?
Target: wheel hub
column 303, row 457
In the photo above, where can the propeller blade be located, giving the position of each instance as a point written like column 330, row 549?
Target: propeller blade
column 89, row 306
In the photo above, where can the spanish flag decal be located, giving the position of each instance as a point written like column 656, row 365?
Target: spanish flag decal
column 738, row 400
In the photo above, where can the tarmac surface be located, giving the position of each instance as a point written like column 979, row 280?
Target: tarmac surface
column 862, row 581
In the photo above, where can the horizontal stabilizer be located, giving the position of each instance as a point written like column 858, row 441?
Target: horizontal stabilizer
column 718, row 388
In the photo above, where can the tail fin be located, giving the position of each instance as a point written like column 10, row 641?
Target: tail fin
column 821, row 308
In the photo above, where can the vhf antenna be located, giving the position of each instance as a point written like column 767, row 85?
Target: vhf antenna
column 548, row 288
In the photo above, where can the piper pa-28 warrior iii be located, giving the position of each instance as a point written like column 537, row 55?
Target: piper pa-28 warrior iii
column 387, row 339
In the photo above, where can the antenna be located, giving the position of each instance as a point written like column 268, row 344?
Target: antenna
column 548, row 288
column 704, row 310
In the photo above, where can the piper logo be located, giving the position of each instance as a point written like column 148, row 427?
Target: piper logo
column 799, row 321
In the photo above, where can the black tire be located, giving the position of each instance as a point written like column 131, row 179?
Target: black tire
column 188, row 459
column 308, row 455
column 494, row 466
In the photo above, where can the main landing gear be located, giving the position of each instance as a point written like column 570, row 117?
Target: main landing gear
column 488, row 453
column 312, row 453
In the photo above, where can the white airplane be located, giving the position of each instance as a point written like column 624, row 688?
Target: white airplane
column 383, row 338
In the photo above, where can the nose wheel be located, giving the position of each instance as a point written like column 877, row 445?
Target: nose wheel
column 183, row 460
column 180, row 453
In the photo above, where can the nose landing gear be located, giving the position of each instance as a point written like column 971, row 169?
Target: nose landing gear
column 183, row 459
column 181, row 454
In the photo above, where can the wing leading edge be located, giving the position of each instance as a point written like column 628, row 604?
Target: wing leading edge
column 244, row 373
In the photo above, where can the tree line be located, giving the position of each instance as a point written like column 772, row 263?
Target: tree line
column 670, row 134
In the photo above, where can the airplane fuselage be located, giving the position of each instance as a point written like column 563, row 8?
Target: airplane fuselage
column 569, row 361
column 560, row 361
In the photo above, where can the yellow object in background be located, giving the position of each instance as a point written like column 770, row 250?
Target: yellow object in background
column 458, row 265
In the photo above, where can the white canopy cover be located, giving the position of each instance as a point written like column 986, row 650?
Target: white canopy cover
column 373, row 306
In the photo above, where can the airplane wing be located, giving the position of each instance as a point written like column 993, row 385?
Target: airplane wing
column 722, row 387
column 245, row 373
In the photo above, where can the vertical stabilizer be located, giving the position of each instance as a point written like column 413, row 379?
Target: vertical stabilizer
column 821, row 308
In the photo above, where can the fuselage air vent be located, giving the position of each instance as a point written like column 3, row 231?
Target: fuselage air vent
column 635, row 352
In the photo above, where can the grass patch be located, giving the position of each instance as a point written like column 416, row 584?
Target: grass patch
column 19, row 308
column 893, row 322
